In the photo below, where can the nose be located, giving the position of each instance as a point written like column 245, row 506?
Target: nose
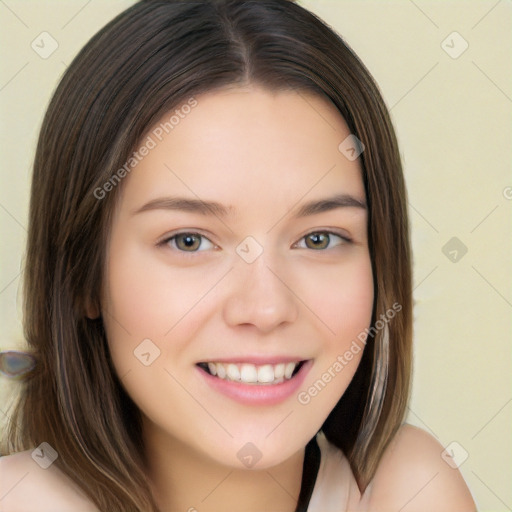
column 260, row 297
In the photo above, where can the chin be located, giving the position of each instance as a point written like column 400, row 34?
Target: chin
column 256, row 452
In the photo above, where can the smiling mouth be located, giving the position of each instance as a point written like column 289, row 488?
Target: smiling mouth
column 246, row 373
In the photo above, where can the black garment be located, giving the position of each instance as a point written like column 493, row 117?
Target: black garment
column 309, row 474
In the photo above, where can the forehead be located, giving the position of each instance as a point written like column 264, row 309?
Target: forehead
column 247, row 148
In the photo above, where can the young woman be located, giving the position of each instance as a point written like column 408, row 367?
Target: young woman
column 218, row 278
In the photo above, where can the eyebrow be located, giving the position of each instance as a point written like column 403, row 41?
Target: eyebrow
column 328, row 204
column 214, row 208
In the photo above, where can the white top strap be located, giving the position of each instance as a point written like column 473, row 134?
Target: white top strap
column 332, row 486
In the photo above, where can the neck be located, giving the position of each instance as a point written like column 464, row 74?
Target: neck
column 186, row 480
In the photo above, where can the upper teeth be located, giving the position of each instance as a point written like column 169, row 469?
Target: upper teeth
column 250, row 373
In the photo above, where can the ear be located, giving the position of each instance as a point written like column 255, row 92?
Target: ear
column 92, row 309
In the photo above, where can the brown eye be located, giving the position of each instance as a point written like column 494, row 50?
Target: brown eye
column 189, row 242
column 317, row 241
column 322, row 240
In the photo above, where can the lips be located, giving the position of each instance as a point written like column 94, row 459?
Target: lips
column 272, row 392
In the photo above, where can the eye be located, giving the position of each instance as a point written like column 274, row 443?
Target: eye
column 321, row 240
column 188, row 242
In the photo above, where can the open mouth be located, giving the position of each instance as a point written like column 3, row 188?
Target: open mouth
column 246, row 373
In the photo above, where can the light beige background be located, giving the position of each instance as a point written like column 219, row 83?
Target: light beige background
column 453, row 119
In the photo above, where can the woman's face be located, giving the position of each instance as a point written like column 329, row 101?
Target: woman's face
column 275, row 271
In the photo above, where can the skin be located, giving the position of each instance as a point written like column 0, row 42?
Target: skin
column 262, row 155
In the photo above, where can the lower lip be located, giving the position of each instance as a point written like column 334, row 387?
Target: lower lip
column 253, row 394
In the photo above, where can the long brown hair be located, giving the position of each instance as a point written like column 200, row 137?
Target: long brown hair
column 147, row 61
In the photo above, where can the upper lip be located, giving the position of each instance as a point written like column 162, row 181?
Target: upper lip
column 256, row 360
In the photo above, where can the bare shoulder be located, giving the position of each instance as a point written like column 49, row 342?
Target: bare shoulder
column 26, row 486
column 413, row 477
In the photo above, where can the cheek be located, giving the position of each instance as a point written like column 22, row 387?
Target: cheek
column 135, row 293
column 134, row 306
column 342, row 299
column 344, row 305
column 142, row 302
column 145, row 297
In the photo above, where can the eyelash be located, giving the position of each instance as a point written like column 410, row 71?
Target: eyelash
column 165, row 242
